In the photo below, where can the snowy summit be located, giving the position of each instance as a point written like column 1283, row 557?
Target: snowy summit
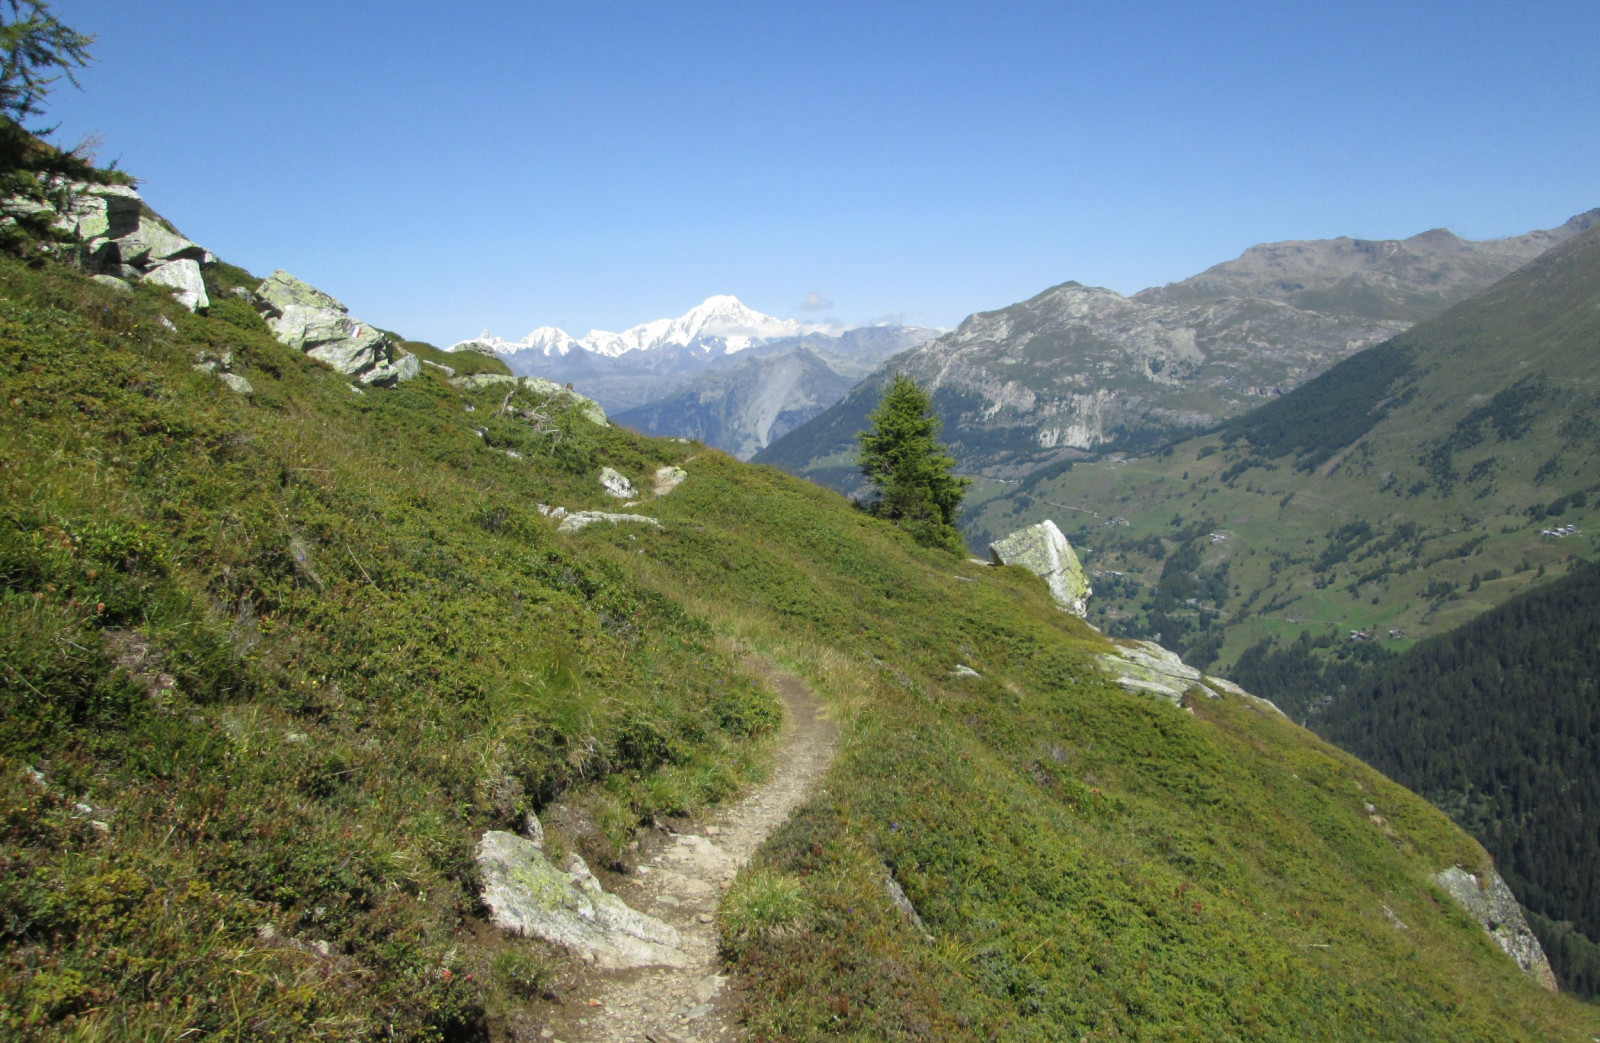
column 722, row 324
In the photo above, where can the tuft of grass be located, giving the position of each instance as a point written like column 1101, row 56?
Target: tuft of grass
column 762, row 906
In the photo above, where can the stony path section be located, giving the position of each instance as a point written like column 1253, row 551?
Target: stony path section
column 680, row 878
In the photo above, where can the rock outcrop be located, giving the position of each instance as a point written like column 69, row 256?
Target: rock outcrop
column 306, row 319
column 588, row 408
column 1144, row 666
column 582, row 519
column 1492, row 904
column 1045, row 552
column 526, row 894
column 119, row 238
column 668, row 478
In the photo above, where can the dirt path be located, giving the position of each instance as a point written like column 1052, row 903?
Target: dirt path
column 680, row 878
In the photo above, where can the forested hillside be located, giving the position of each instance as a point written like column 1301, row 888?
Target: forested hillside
column 1497, row 722
column 1394, row 497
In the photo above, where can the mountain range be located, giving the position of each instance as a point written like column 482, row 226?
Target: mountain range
column 721, row 372
column 1077, row 371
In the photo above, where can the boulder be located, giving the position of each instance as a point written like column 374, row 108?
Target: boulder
column 306, row 319
column 1045, row 552
column 526, row 894
column 183, row 276
column 121, row 285
column 102, row 211
column 617, row 484
column 1491, row 903
column 151, row 244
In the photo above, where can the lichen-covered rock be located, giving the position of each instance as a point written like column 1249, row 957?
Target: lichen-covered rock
column 101, row 212
column 669, row 478
column 588, row 408
column 1144, row 666
column 1045, row 552
column 579, row 519
column 303, row 317
column 526, row 894
column 615, row 483
column 183, row 276
column 1491, row 903
column 150, row 244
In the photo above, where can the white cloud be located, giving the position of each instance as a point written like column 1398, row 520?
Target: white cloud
column 815, row 302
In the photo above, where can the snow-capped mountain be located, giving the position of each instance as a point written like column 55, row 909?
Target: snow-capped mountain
column 719, row 325
column 650, row 361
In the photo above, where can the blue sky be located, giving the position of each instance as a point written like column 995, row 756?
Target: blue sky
column 448, row 168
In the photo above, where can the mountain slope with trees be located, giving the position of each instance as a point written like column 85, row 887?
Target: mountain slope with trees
column 1078, row 372
column 1497, row 722
column 277, row 651
column 1396, row 496
column 295, row 651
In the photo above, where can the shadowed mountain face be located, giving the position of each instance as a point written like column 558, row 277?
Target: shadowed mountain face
column 1079, row 371
column 744, row 409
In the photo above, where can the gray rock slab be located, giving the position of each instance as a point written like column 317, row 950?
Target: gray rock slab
column 526, row 894
column 184, row 278
column 1492, row 904
column 280, row 291
column 580, row 519
column 668, row 478
column 151, row 244
column 1045, row 552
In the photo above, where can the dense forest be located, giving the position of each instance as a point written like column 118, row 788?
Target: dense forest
column 1497, row 722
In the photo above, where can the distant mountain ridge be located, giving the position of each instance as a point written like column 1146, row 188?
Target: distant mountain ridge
column 1078, row 371
column 652, row 360
column 1405, row 279
column 719, row 324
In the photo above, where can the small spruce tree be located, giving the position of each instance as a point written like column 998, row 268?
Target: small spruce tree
column 911, row 472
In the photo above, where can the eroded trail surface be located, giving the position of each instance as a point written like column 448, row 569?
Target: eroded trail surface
column 680, row 878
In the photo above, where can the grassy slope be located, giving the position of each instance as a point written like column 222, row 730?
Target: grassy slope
column 299, row 650
column 1485, row 420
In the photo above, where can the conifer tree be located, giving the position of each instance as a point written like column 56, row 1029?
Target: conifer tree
column 36, row 177
column 912, row 473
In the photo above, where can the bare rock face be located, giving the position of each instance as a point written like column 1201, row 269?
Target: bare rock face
column 526, row 894
column 1045, row 552
column 303, row 317
column 1492, row 904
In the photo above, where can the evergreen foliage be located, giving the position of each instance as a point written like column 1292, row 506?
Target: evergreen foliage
column 36, row 176
column 1497, row 722
column 912, row 473
column 33, row 45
